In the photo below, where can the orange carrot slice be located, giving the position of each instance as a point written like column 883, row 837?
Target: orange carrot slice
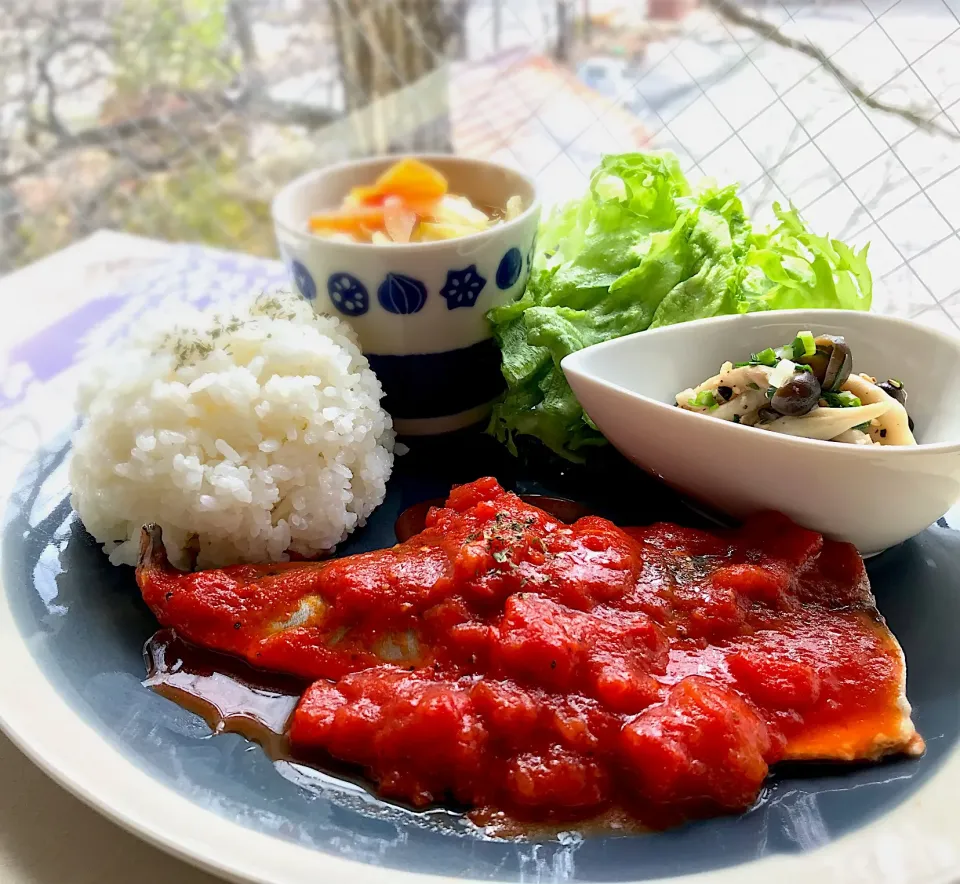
column 351, row 220
column 367, row 194
column 408, row 178
column 412, row 179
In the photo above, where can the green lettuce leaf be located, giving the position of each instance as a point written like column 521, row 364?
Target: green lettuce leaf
column 644, row 249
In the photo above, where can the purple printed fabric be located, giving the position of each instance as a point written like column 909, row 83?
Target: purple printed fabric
column 195, row 277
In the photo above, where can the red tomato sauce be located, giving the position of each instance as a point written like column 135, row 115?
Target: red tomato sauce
column 512, row 663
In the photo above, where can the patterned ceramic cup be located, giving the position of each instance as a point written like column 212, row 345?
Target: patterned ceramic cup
column 419, row 309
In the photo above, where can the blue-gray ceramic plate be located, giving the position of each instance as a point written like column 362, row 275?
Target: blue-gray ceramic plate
column 72, row 629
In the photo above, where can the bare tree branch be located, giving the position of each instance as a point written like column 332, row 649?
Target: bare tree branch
column 112, row 136
column 289, row 113
column 238, row 12
column 53, row 121
column 769, row 31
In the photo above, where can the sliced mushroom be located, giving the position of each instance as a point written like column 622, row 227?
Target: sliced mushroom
column 854, row 437
column 826, row 423
column 894, row 388
column 743, row 405
column 748, row 392
column 832, row 362
column 797, row 395
column 893, row 428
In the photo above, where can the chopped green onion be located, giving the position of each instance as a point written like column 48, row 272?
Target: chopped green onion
column 843, row 399
column 771, row 392
column 785, row 352
column 753, row 386
column 764, row 357
column 803, row 345
column 736, row 418
column 864, row 428
column 704, row 399
column 801, row 367
column 894, row 382
column 741, row 364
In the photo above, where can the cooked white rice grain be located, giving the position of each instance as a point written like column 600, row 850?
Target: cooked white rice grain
column 243, row 436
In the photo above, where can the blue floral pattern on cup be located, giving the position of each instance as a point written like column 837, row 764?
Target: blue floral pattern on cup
column 508, row 272
column 462, row 287
column 348, row 294
column 303, row 280
column 401, row 294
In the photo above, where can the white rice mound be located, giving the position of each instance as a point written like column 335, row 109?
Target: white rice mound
column 243, row 436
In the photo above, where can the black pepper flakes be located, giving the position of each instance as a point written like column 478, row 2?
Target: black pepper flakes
column 168, row 596
column 236, row 625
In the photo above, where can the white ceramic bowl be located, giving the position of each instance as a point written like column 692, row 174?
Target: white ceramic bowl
column 419, row 309
column 874, row 497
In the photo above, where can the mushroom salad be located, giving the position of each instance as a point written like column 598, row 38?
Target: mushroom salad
column 806, row 389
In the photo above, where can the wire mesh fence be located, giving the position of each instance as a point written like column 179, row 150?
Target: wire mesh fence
column 180, row 119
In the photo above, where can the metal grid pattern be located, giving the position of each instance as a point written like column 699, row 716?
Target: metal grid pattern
column 179, row 119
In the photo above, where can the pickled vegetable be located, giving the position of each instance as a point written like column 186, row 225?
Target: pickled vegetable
column 409, row 202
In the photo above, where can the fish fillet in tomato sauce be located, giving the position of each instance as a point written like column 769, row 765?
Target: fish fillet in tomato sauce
column 510, row 662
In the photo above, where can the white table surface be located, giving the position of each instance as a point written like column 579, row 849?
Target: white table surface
column 46, row 835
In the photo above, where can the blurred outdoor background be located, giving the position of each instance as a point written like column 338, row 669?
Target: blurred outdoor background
column 179, row 119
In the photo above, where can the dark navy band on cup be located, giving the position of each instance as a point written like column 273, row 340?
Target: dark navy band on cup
column 423, row 385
